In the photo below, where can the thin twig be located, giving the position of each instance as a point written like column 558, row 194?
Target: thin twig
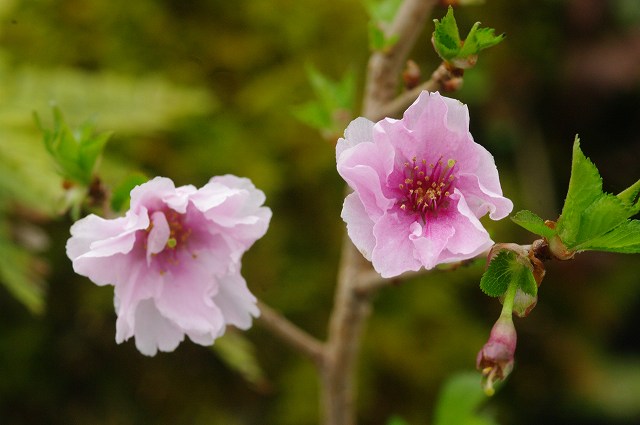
column 291, row 334
column 437, row 82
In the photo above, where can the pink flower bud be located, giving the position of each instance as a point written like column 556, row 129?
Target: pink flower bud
column 495, row 360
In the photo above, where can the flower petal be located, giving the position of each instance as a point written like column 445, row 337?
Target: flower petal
column 236, row 303
column 359, row 130
column 158, row 236
column 154, row 332
column 359, row 225
column 481, row 199
column 394, row 252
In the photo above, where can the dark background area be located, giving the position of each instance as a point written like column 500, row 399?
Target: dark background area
column 202, row 88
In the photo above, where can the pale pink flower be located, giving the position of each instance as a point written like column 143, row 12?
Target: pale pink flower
column 420, row 184
column 174, row 260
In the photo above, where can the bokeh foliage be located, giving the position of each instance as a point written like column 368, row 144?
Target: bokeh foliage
column 205, row 87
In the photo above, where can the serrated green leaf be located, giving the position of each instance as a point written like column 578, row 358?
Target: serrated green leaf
column 120, row 196
column 533, row 223
column 496, row 278
column 504, row 269
column 479, row 39
column 624, row 239
column 446, row 36
column 585, row 187
column 75, row 152
column 631, row 197
column 239, row 354
column 604, row 214
column 459, row 400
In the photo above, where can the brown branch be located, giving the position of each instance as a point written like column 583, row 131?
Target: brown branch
column 291, row 334
column 439, row 81
column 385, row 66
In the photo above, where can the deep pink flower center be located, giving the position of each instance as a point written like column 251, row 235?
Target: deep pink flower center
column 178, row 233
column 426, row 187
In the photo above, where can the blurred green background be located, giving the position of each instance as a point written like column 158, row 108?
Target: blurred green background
column 198, row 88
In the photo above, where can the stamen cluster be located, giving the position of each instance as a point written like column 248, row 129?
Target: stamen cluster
column 426, row 188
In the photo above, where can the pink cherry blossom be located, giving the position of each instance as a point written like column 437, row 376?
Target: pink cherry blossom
column 420, row 184
column 174, row 260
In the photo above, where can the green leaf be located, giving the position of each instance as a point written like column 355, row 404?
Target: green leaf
column 533, row 223
column 239, row 354
column 75, row 152
column 606, row 213
column 120, row 196
column 631, row 197
column 449, row 46
column 623, row 239
column 585, row 187
column 496, row 278
column 459, row 401
column 479, row 39
column 505, row 268
column 446, row 37
column 330, row 112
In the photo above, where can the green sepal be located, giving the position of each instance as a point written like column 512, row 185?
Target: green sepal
column 533, row 223
column 505, row 268
column 75, row 152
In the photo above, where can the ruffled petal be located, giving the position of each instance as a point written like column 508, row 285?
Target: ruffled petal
column 481, row 199
column 394, row 252
column 359, row 225
column 237, row 304
column 365, row 167
column 154, row 332
column 431, row 242
column 358, row 131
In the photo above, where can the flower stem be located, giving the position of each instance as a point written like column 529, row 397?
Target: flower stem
column 509, row 297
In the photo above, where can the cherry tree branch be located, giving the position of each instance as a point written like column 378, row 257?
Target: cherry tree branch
column 385, row 66
column 352, row 307
column 291, row 334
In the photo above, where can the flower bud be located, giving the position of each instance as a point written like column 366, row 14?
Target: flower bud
column 495, row 360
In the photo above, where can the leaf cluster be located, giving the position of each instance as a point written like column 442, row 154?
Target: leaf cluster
column 75, row 152
column 591, row 219
column 461, row 53
column 330, row 111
